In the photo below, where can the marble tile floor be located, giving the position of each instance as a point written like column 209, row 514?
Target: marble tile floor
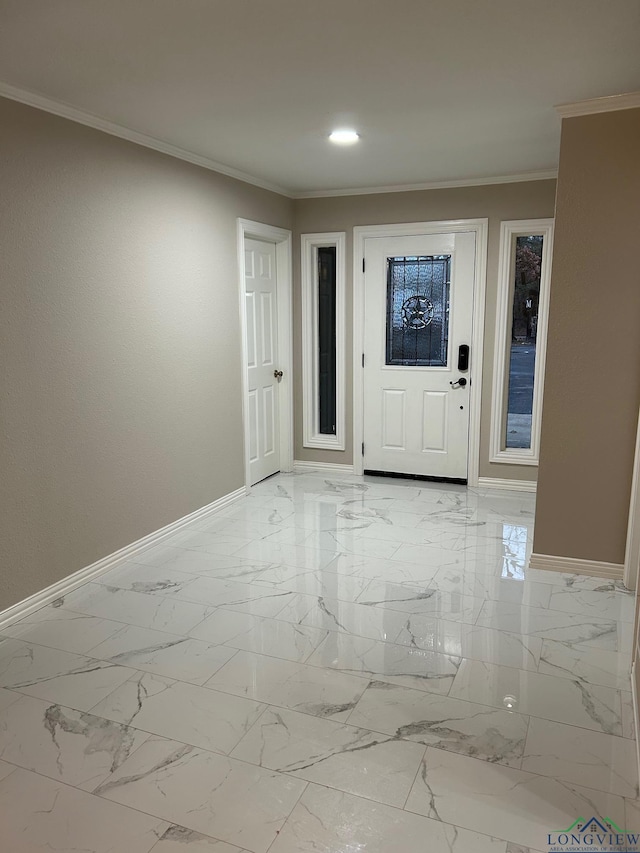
column 331, row 664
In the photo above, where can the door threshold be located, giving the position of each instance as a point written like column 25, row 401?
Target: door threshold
column 458, row 481
column 268, row 477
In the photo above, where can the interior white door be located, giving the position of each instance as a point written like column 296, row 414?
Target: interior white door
column 418, row 313
column 262, row 352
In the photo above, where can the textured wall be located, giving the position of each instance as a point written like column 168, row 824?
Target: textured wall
column 592, row 387
column 119, row 339
column 530, row 200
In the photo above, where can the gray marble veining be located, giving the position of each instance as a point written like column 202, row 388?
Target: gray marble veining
column 184, row 712
column 179, row 839
column 332, row 663
column 217, row 796
column 75, row 747
column 493, row 735
column 395, row 664
column 357, row 761
column 58, row 676
column 43, row 814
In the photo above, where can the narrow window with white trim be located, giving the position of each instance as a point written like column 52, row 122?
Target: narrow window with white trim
column 521, row 338
column 323, row 340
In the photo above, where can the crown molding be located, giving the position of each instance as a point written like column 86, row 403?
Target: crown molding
column 628, row 101
column 550, row 174
column 64, row 110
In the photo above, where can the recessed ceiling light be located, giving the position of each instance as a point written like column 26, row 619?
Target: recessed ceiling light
column 344, row 137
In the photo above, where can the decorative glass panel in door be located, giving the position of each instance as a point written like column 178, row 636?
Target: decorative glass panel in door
column 417, row 326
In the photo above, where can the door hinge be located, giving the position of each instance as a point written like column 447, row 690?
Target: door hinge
column 363, row 448
column 363, row 265
column 363, row 359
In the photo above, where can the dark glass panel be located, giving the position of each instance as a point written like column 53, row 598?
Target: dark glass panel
column 418, row 310
column 327, row 339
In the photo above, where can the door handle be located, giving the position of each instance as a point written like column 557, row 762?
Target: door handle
column 459, row 383
column 278, row 374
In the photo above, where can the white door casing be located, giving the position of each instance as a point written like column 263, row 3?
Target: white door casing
column 261, row 311
column 361, row 234
column 264, row 265
column 415, row 420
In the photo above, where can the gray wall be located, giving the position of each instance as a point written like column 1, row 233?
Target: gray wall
column 592, row 387
column 119, row 338
column 530, row 200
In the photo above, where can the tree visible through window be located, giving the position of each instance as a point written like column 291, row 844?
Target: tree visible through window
column 524, row 328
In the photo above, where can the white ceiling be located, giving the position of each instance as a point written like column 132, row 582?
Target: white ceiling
column 441, row 90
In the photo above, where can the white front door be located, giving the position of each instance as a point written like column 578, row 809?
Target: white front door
column 262, row 367
column 418, row 316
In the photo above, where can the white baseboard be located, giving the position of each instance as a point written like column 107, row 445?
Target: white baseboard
column 512, row 485
column 322, row 466
column 67, row 584
column 574, row 566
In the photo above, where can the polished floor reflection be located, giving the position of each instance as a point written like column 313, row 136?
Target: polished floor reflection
column 333, row 664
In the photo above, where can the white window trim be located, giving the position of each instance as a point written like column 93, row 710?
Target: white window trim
column 504, row 318
column 310, row 243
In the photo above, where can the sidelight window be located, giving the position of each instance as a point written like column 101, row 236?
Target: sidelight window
column 521, row 333
column 323, row 344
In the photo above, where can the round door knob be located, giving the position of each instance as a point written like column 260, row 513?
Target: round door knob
column 278, row 374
